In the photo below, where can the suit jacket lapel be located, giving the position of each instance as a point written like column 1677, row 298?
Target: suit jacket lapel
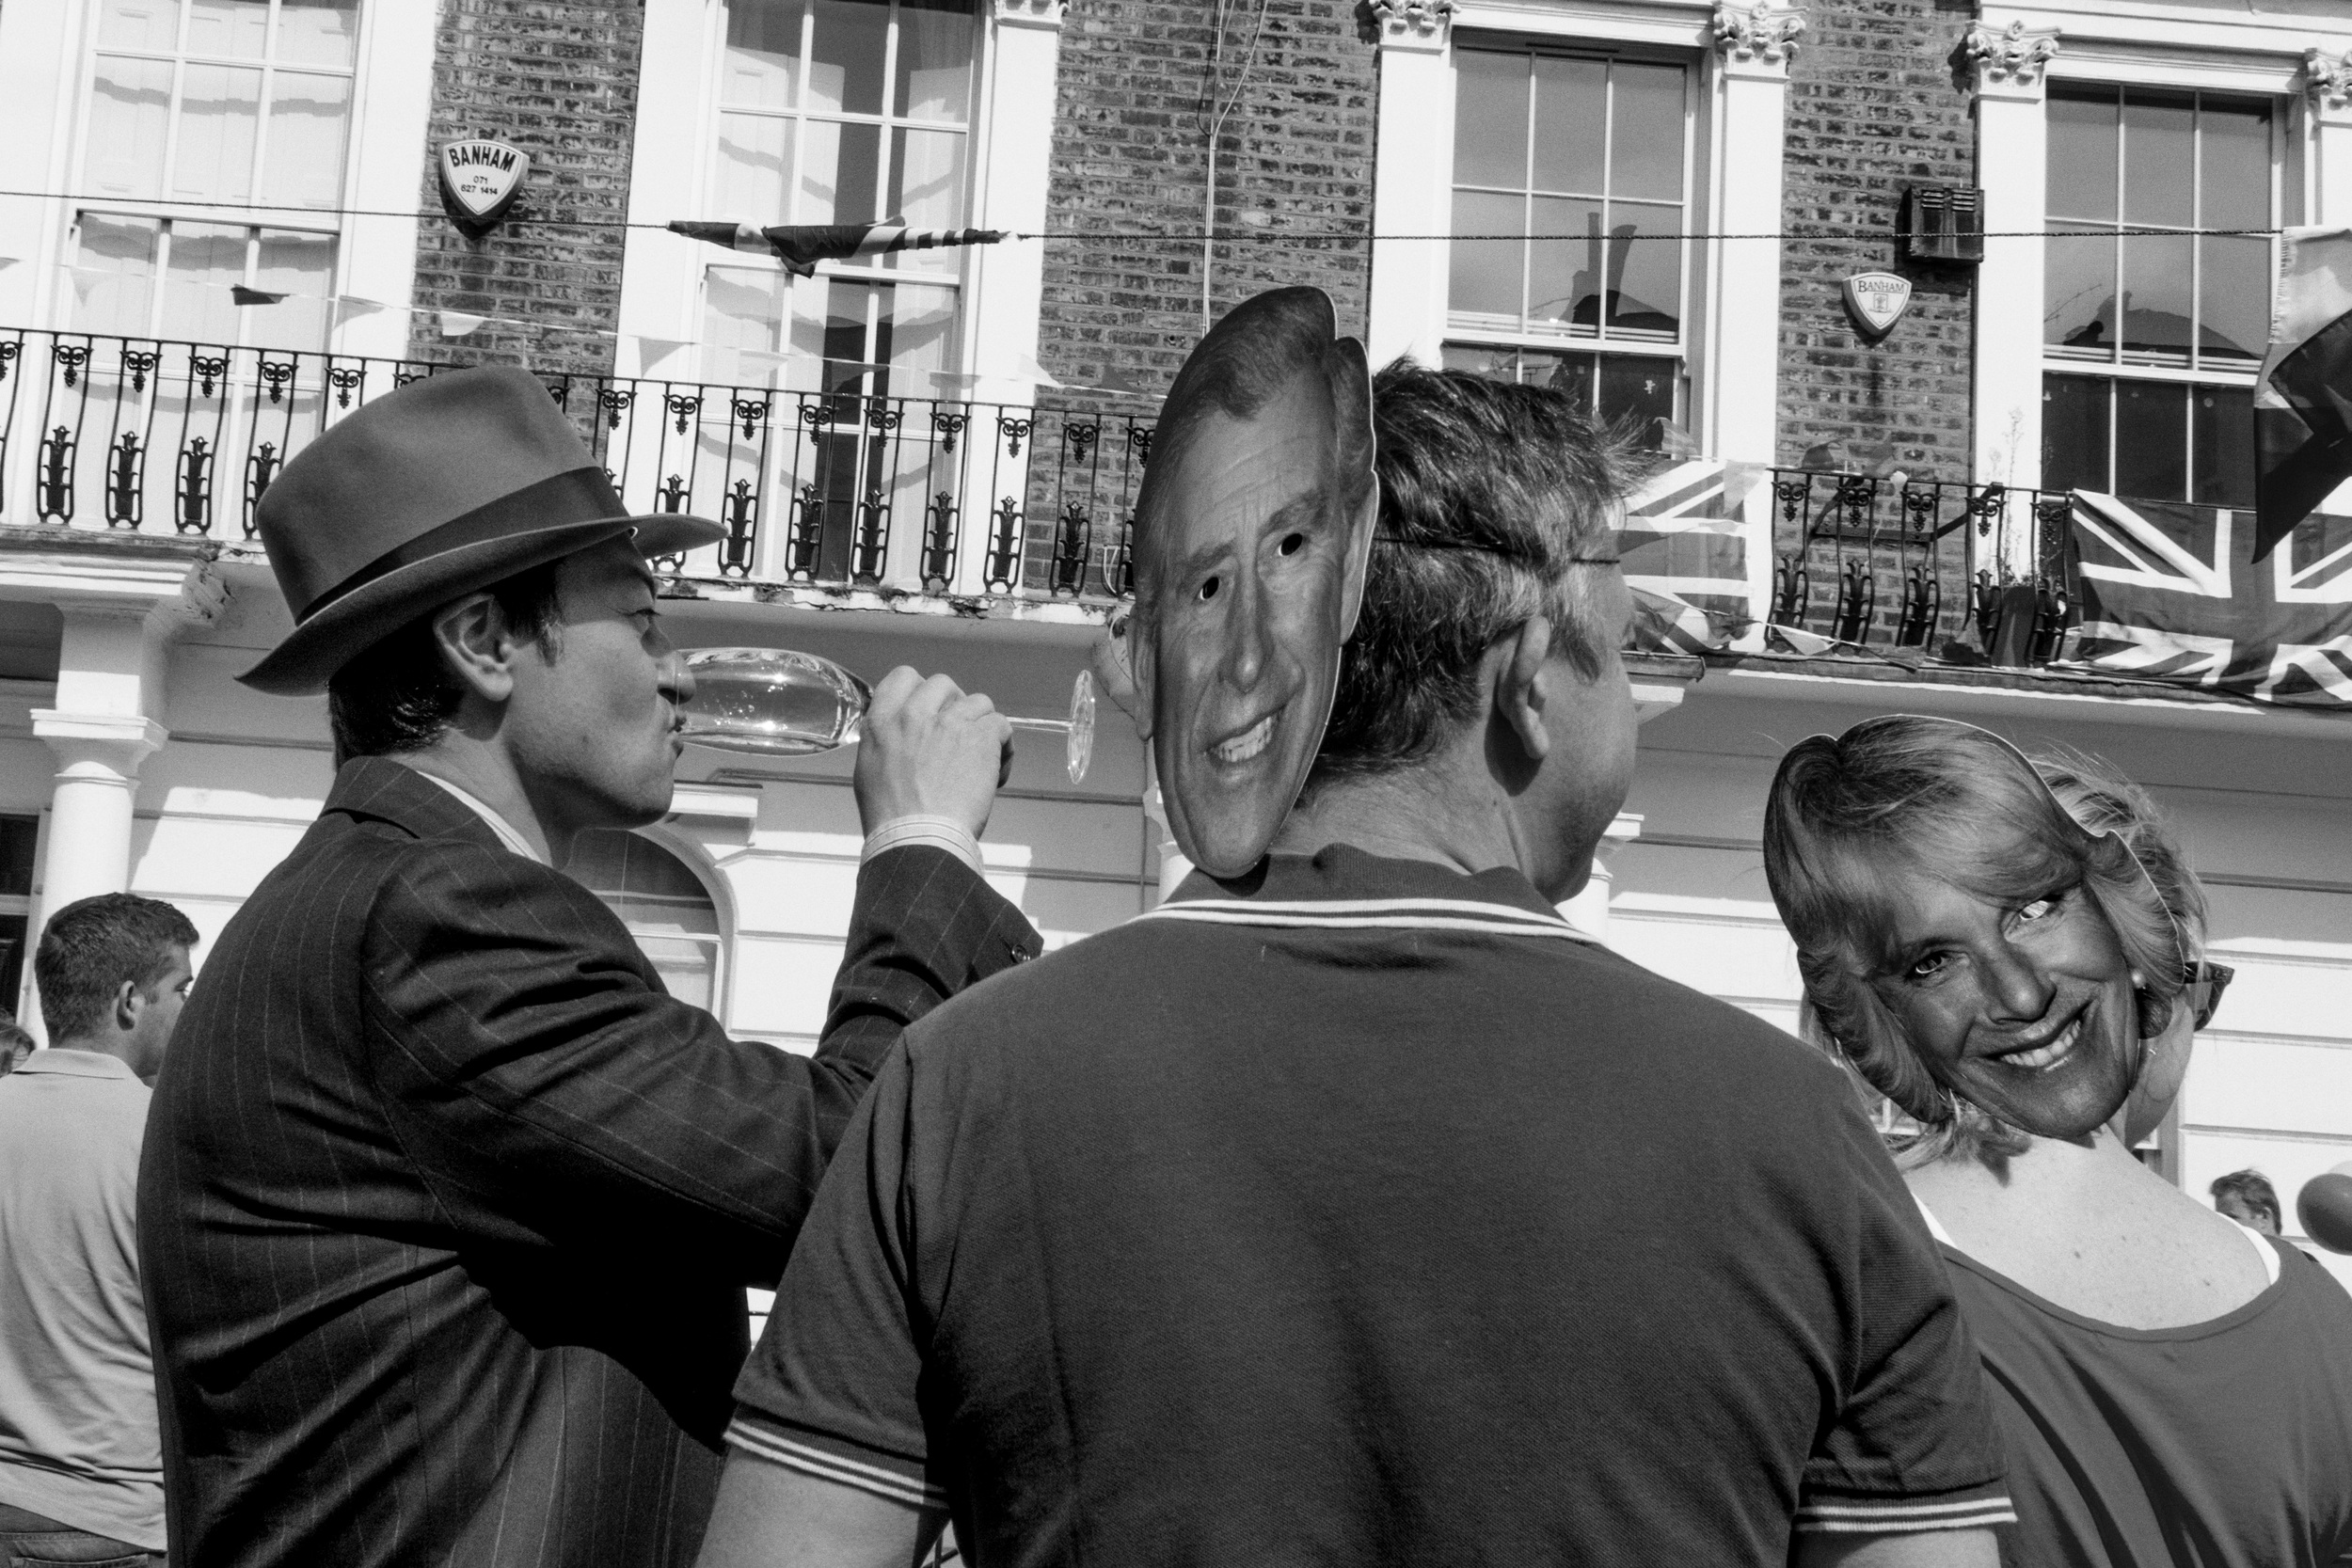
column 383, row 790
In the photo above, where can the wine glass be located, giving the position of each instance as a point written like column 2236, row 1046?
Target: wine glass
column 775, row 701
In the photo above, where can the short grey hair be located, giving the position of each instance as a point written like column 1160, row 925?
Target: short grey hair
column 1490, row 496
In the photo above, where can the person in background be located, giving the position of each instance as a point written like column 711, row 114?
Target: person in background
column 81, row 1462
column 1276, row 1226
column 2012, row 951
column 16, row 1043
column 448, row 1206
column 2248, row 1197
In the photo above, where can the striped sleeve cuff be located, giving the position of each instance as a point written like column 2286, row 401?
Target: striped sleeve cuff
column 939, row 833
column 1833, row 1513
column 831, row 1458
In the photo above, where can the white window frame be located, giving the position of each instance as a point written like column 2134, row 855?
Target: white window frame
column 2257, row 55
column 1687, row 283
column 47, row 64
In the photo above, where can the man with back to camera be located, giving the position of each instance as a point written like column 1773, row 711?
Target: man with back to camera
column 2248, row 1197
column 81, row 1466
column 451, row 1207
column 1274, row 1226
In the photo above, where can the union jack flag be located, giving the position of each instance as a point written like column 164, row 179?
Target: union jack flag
column 1685, row 545
column 2173, row 592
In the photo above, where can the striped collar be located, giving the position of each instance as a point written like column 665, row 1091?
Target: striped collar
column 1341, row 888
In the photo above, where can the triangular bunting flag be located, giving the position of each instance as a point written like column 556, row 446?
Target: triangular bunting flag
column 801, row 246
column 2304, row 404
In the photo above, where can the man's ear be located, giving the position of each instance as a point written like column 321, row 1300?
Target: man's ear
column 1518, row 661
column 1359, row 532
column 474, row 643
column 1108, row 664
column 1142, row 667
column 129, row 1004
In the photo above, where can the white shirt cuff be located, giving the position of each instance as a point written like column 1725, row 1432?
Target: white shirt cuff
column 939, row 832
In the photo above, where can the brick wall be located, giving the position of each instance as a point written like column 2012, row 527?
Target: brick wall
column 557, row 78
column 1130, row 142
column 1872, row 107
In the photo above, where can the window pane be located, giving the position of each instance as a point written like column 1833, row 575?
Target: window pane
column 1571, row 373
column 302, row 267
column 1646, row 132
column 2082, row 168
column 2078, row 284
column 1571, row 125
column 685, row 968
column 114, row 274
column 755, row 166
column 1644, row 275
column 837, row 173
column 2151, row 440
column 934, row 59
column 1490, row 120
column 2233, row 299
column 813, row 319
column 845, row 66
column 2074, row 432
column 318, row 32
column 139, row 24
column 303, row 165
column 763, row 43
column 1636, row 393
column 220, row 109
column 927, row 189
column 2156, row 294
column 2223, row 446
column 2158, row 159
column 130, row 104
column 205, row 261
column 743, row 308
column 1487, row 273
column 1481, row 359
column 914, row 330
column 1565, row 275
column 238, row 29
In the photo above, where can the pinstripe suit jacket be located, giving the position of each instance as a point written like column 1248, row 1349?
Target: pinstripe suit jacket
column 446, row 1207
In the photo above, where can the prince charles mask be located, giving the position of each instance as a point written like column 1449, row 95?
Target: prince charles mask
column 1252, row 534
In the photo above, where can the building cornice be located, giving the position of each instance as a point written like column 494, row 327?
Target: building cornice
column 1761, row 35
column 2327, row 78
column 2010, row 60
column 1413, row 24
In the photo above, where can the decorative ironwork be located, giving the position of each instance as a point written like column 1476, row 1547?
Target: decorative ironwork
column 346, row 380
column 682, row 406
column 53, row 466
column 1082, row 439
column 124, row 501
column 614, row 401
column 1002, row 568
column 1923, row 604
column 1792, row 585
column 7, row 357
column 561, row 392
column 817, row 415
column 749, row 412
column 1857, row 597
column 1071, row 536
column 1139, row 439
column 948, row 427
column 277, row 376
column 72, row 357
column 193, row 496
column 1987, row 504
column 141, row 364
column 804, row 535
column 208, row 370
column 870, row 541
column 939, row 541
column 1118, row 562
column 1014, row 432
column 742, row 510
column 260, row 469
column 881, row 417
column 671, row 496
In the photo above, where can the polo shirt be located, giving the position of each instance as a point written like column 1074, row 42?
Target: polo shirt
column 79, row 1439
column 1366, row 1210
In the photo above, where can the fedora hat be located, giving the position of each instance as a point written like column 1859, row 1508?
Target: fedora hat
column 444, row 487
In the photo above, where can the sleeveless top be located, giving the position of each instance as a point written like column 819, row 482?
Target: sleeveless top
column 2225, row 1444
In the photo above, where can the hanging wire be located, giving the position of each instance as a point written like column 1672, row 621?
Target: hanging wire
column 1339, row 236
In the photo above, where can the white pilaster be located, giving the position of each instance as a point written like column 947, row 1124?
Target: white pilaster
column 1009, row 279
column 1754, row 44
column 121, row 617
column 2327, row 88
column 1588, row 911
column 2012, row 150
column 1412, row 179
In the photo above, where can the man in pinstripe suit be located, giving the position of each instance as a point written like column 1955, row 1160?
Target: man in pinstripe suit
column 446, row 1207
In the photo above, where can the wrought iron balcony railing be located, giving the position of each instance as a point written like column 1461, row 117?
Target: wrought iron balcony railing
column 1969, row 573
column 835, row 490
column 928, row 496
